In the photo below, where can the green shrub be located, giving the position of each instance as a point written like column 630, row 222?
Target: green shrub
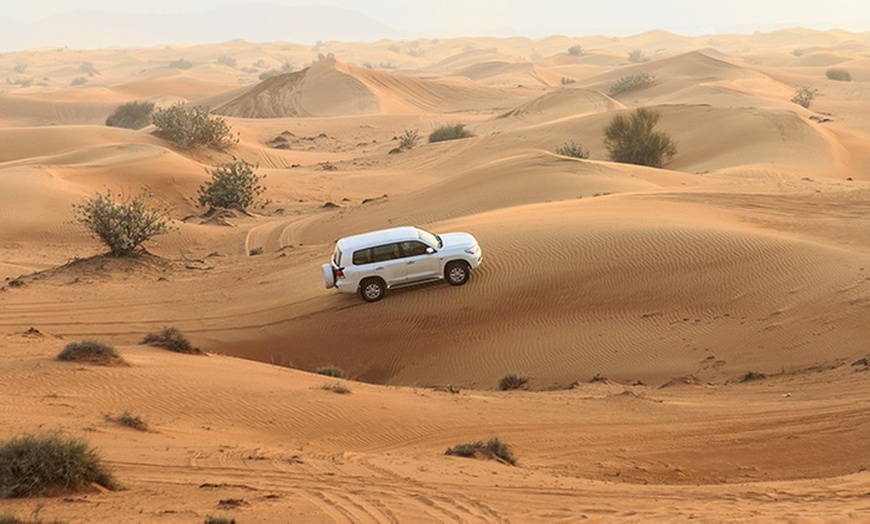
column 632, row 139
column 191, row 127
column 49, row 464
column 131, row 115
column 233, row 185
column 512, row 381
column 450, row 133
column 804, row 96
column 181, row 64
column 841, row 75
column 123, row 224
column 636, row 56
column 566, row 81
column 572, row 149
column 492, row 449
column 227, row 61
column 90, row 351
column 409, row 138
column 631, row 82
column 575, row 50
column 331, row 371
column 128, row 420
column 171, row 338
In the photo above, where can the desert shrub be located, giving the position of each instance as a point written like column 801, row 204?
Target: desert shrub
column 331, row 371
column 91, row 351
column 191, row 127
column 123, row 224
column 181, row 64
column 409, row 138
column 233, row 185
column 572, row 149
column 453, row 132
column 78, row 81
column 512, row 381
column 632, row 139
column 841, row 75
column 337, row 387
column 575, row 50
column 804, row 96
column 749, row 376
column 631, row 82
column 131, row 115
column 492, row 449
column 88, row 68
column 128, row 420
column 565, row 81
column 798, row 52
column 636, row 56
column 211, row 519
column 172, row 339
column 49, row 464
column 227, row 61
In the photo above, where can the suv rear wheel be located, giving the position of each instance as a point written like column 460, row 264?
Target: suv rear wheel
column 456, row 273
column 372, row 289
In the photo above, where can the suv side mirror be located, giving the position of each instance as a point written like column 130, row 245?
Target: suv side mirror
column 430, row 250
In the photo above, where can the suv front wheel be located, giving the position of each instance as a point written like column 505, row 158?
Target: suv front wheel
column 456, row 273
column 372, row 289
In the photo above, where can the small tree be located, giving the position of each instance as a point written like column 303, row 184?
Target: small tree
column 575, row 50
column 233, row 185
column 841, row 75
column 572, row 149
column 123, row 224
column 805, row 96
column 191, row 127
column 633, row 140
column 131, row 115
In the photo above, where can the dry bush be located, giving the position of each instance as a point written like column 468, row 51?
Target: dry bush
column 131, row 115
column 233, row 185
column 453, row 132
column 636, row 56
column 172, row 339
column 840, row 75
column 572, row 149
column 804, row 96
column 91, row 351
column 123, row 223
column 632, row 139
column 128, row 420
column 492, row 449
column 575, row 50
column 49, row 464
column 337, row 387
column 631, row 82
column 512, row 381
column 181, row 64
column 409, row 138
column 331, row 371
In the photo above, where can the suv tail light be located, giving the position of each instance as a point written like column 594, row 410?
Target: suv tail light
column 338, row 271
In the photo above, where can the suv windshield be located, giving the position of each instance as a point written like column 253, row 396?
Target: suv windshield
column 430, row 238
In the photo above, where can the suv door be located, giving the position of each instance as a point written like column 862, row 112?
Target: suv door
column 386, row 262
column 420, row 264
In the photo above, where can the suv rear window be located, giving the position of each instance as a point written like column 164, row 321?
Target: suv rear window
column 363, row 256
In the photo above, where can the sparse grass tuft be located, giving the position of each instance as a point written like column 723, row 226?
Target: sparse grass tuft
column 91, row 351
column 512, row 381
column 573, row 150
column 493, row 449
column 128, row 420
column 171, row 338
column 454, row 132
column 331, row 371
column 631, row 82
column 49, row 464
column 840, row 75
column 337, row 387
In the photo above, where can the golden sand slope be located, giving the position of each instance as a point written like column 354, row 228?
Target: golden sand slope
column 748, row 252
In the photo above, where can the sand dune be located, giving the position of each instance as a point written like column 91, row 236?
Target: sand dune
column 747, row 252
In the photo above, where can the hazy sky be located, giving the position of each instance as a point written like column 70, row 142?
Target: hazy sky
column 533, row 18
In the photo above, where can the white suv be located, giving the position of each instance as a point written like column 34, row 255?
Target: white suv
column 371, row 263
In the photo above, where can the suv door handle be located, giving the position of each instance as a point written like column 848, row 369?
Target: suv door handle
column 379, row 268
column 411, row 262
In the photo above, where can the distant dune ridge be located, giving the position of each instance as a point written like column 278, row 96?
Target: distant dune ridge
column 638, row 301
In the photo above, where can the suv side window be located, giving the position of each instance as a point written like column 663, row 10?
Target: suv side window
column 363, row 256
column 384, row 253
column 413, row 248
